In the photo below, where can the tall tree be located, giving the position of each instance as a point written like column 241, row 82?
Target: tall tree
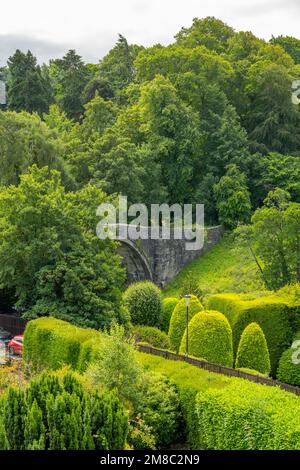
column 69, row 76
column 209, row 32
column 233, row 198
column 50, row 254
column 28, row 90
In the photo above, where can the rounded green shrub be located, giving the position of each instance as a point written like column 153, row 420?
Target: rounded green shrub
column 210, row 338
column 253, row 351
column 151, row 335
column 178, row 320
column 169, row 303
column 144, row 302
column 160, row 407
column 289, row 364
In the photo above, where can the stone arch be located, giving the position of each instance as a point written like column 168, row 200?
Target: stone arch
column 136, row 264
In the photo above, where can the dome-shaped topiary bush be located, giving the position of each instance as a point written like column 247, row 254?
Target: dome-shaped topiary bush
column 253, row 350
column 178, row 320
column 210, row 338
column 289, row 364
column 169, row 303
column 152, row 336
column 144, row 303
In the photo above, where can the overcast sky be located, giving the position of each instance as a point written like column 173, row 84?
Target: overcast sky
column 50, row 27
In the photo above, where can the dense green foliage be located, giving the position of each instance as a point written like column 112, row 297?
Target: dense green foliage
column 51, row 257
column 234, row 418
column 169, row 303
column 55, row 414
column 276, row 314
column 178, row 320
column 273, row 238
column 233, row 198
column 151, row 335
column 155, row 414
column 52, row 343
column 26, row 140
column 28, row 85
column 144, row 303
column 253, row 351
column 210, row 338
column 230, row 413
column 159, row 407
column 288, row 369
column 206, row 119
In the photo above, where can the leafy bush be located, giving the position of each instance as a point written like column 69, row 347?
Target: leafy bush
column 118, row 367
column 276, row 314
column 253, row 351
column 246, row 416
column 289, row 365
column 169, row 303
column 51, row 343
column 144, row 303
column 210, row 338
column 178, row 320
column 151, row 335
column 55, row 414
column 159, row 407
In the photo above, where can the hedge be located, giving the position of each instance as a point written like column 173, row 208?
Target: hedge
column 276, row 314
column 144, row 303
column 52, row 343
column 289, row 367
column 178, row 320
column 244, row 416
column 230, row 413
column 210, row 338
column 253, row 351
column 169, row 303
column 152, row 336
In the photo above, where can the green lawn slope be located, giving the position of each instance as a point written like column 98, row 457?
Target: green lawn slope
column 225, row 268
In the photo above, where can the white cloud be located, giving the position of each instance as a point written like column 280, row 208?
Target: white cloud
column 92, row 26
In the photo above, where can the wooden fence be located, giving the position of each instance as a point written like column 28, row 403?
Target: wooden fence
column 218, row 369
column 12, row 324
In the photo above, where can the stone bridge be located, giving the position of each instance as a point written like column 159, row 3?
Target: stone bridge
column 160, row 260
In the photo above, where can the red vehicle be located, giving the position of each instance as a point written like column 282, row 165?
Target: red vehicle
column 15, row 346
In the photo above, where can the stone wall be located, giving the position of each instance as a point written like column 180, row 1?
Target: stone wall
column 160, row 260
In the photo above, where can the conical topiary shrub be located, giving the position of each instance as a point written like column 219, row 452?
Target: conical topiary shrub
column 253, row 350
column 210, row 338
column 178, row 320
column 169, row 303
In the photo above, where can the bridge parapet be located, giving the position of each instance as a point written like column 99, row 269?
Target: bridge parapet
column 160, row 260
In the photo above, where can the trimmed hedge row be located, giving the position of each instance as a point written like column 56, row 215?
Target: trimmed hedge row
column 51, row 343
column 275, row 314
column 178, row 320
column 210, row 338
column 245, row 416
column 230, row 413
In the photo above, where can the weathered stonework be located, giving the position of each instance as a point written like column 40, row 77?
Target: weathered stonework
column 161, row 260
